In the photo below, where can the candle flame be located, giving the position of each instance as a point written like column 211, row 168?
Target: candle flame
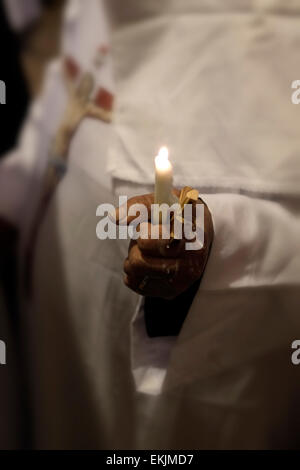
column 164, row 153
column 162, row 159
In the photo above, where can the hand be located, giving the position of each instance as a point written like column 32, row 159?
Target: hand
column 162, row 268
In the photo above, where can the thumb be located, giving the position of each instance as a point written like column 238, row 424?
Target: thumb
column 122, row 217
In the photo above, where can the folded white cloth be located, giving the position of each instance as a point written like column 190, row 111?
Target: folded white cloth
column 212, row 81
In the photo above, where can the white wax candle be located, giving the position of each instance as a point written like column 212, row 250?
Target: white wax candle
column 163, row 178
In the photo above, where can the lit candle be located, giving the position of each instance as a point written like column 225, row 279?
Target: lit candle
column 163, row 178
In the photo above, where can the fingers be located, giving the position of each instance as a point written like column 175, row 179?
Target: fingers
column 138, row 266
column 149, row 276
column 155, row 242
column 123, row 215
column 157, row 266
column 165, row 283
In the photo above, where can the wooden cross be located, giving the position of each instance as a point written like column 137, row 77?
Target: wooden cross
column 79, row 106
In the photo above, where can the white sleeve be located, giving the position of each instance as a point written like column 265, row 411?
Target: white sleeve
column 256, row 252
column 21, row 169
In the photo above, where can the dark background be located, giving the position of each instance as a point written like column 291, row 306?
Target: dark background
column 23, row 58
column 12, row 114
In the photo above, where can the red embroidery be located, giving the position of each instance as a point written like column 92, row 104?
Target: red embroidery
column 72, row 68
column 104, row 50
column 104, row 99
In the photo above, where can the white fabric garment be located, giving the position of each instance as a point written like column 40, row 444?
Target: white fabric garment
column 257, row 259
column 212, row 81
column 20, row 172
column 227, row 381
